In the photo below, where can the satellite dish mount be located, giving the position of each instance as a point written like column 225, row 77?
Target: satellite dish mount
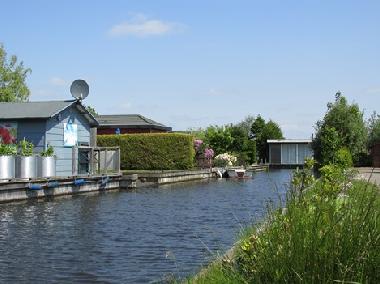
column 79, row 89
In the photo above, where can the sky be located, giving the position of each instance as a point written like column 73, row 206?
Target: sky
column 191, row 64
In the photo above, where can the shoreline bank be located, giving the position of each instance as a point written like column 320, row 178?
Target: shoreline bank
column 18, row 190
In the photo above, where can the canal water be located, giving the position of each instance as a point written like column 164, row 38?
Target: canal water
column 143, row 236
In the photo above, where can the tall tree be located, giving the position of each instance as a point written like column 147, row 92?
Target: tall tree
column 219, row 138
column 257, row 127
column 91, row 110
column 347, row 120
column 12, row 79
column 373, row 129
column 330, row 145
column 246, row 125
column 262, row 131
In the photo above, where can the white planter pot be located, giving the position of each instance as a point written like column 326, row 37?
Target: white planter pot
column 45, row 167
column 26, row 167
column 7, row 167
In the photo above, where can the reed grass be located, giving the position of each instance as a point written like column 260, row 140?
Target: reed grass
column 329, row 233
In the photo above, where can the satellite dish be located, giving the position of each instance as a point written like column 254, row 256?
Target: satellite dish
column 79, row 89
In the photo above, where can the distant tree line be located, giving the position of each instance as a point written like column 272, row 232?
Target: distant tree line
column 246, row 139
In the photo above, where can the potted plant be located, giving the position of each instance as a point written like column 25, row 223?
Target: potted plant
column 7, row 161
column 46, row 163
column 26, row 162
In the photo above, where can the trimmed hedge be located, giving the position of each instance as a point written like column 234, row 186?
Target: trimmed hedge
column 153, row 151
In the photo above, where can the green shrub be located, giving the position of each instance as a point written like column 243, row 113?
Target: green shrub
column 26, row 148
column 153, row 151
column 328, row 233
column 49, row 152
column 8, row 149
column 344, row 158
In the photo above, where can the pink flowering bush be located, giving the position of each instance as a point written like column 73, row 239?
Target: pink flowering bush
column 203, row 153
column 197, row 144
column 209, row 153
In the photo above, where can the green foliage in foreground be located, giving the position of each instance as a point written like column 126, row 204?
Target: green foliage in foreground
column 154, row 151
column 328, row 233
column 26, row 148
column 8, row 149
column 49, row 152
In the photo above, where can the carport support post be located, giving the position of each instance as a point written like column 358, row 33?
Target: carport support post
column 74, row 161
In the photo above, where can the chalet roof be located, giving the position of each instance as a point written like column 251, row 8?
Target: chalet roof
column 129, row 121
column 41, row 110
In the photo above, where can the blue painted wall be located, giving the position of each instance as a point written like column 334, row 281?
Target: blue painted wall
column 54, row 137
column 50, row 132
column 31, row 130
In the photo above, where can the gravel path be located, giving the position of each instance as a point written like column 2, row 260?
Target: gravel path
column 372, row 174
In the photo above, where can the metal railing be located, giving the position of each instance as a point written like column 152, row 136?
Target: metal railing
column 96, row 160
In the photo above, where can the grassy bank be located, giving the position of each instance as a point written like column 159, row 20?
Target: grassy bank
column 328, row 233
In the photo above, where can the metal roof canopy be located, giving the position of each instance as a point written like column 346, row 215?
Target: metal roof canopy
column 289, row 141
column 129, row 121
column 41, row 110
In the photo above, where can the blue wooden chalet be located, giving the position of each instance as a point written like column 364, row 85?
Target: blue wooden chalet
column 60, row 124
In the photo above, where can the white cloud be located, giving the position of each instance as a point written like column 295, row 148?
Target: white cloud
column 213, row 92
column 57, row 81
column 141, row 26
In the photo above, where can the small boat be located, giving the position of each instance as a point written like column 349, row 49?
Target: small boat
column 239, row 173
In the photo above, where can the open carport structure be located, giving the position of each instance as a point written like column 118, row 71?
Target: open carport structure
column 289, row 152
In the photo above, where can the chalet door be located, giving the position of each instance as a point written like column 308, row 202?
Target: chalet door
column 84, row 158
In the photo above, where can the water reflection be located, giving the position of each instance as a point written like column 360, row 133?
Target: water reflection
column 130, row 237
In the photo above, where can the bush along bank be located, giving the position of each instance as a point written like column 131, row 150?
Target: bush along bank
column 156, row 151
column 328, row 233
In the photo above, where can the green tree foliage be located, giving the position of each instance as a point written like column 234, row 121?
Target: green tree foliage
column 239, row 140
column 344, row 158
column 262, row 131
column 219, row 138
column 244, row 139
column 272, row 130
column 373, row 129
column 330, row 144
column 241, row 146
column 347, row 120
column 232, row 139
column 252, row 152
column 246, row 125
column 12, row 79
column 257, row 127
column 91, row 110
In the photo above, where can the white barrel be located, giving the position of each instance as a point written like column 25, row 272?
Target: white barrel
column 7, row 167
column 26, row 167
column 46, row 167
